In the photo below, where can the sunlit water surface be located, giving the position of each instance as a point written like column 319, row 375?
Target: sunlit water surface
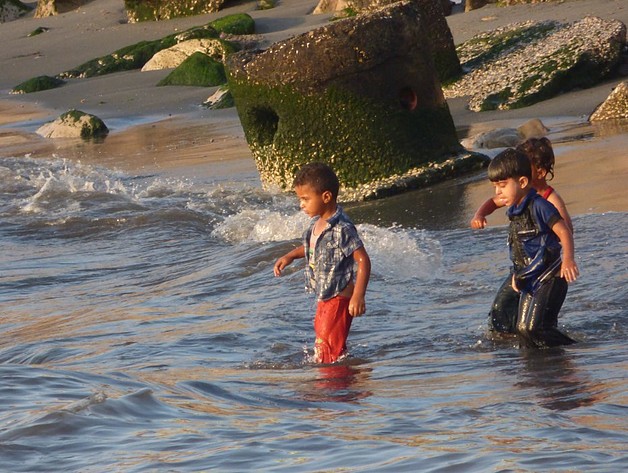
column 143, row 330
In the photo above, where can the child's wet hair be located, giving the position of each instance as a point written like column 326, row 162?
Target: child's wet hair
column 540, row 153
column 510, row 163
column 320, row 177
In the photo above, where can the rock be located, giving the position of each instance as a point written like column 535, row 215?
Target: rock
column 470, row 5
column 54, row 7
column 172, row 57
column 155, row 10
column 12, row 9
column 433, row 17
column 524, row 63
column 37, row 84
column 74, row 124
column 507, row 137
column 222, row 98
column 37, row 31
column 197, row 70
column 360, row 94
column 615, row 107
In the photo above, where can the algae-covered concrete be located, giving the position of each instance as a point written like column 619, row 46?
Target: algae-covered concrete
column 361, row 94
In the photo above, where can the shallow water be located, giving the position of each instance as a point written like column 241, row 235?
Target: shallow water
column 142, row 330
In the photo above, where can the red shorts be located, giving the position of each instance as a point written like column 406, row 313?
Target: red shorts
column 331, row 325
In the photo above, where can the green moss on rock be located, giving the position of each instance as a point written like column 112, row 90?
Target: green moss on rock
column 135, row 56
column 197, row 70
column 91, row 126
column 524, row 63
column 37, row 31
column 156, row 10
column 286, row 129
column 236, row 24
column 37, row 84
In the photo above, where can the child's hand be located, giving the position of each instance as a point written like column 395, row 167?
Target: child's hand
column 478, row 222
column 569, row 270
column 288, row 258
column 280, row 264
column 357, row 306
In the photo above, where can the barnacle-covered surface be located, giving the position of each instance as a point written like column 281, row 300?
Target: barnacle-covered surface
column 12, row 9
column 615, row 107
column 336, row 95
column 432, row 14
column 524, row 63
column 153, row 10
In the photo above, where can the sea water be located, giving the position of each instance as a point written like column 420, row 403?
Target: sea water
column 142, row 329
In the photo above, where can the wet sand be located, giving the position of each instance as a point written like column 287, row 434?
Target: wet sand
column 166, row 130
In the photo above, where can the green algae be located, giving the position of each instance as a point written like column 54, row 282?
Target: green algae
column 197, row 70
column 136, row 55
column 37, row 84
column 364, row 140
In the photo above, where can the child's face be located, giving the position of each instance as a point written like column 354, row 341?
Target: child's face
column 511, row 191
column 312, row 202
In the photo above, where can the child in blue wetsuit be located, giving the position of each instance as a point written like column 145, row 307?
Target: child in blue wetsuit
column 536, row 234
column 503, row 314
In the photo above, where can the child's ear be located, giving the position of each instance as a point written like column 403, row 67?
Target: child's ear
column 523, row 182
column 327, row 197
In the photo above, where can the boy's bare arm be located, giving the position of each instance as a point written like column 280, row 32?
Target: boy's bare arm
column 479, row 219
column 357, row 304
column 285, row 260
column 568, row 269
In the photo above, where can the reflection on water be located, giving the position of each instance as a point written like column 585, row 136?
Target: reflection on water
column 559, row 382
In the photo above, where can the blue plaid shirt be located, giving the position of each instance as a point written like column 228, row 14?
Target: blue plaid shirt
column 333, row 267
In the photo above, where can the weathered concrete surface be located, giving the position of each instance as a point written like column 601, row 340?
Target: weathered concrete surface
column 361, row 94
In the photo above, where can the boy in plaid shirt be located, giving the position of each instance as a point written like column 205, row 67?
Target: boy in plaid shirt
column 337, row 265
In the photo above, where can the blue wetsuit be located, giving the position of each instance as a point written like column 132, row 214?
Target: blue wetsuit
column 535, row 253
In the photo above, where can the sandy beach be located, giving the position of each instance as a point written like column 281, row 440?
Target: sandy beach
column 166, row 130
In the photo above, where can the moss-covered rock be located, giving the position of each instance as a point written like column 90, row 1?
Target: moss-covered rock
column 12, row 9
column 172, row 57
column 342, row 95
column 38, row 31
column 155, row 10
column 237, row 23
column 198, row 70
column 74, row 124
column 524, row 63
column 137, row 55
column 37, row 84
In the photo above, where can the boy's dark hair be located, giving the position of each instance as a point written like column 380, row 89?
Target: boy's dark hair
column 320, row 176
column 540, row 153
column 510, row 163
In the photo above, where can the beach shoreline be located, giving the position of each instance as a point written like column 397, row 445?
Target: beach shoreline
column 167, row 130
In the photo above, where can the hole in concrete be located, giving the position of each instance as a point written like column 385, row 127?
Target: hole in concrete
column 265, row 122
column 408, row 98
